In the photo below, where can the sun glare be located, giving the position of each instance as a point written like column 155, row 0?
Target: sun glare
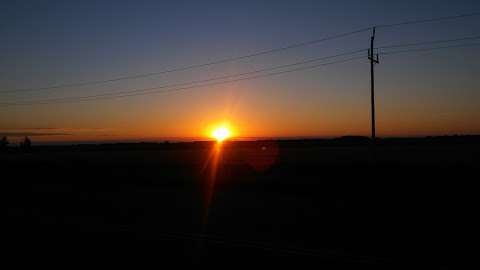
column 221, row 133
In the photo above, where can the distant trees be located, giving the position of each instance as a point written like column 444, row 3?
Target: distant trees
column 4, row 143
column 26, row 144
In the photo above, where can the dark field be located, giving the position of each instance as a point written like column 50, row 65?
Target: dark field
column 339, row 204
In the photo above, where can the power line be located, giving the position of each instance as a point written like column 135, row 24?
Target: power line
column 184, row 68
column 436, row 19
column 215, row 78
column 231, row 59
column 427, row 42
column 431, row 48
column 159, row 91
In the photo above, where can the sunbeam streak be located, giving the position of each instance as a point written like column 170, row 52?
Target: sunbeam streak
column 212, row 166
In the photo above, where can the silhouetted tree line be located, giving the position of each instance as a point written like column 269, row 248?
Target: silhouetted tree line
column 4, row 143
column 26, row 144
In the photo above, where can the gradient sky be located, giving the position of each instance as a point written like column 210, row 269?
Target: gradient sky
column 53, row 42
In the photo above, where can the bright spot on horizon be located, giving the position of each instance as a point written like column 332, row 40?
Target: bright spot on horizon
column 221, row 133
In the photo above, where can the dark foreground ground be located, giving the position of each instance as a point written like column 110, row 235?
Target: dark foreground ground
column 337, row 204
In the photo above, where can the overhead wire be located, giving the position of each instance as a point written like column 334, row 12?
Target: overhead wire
column 236, row 58
column 157, row 90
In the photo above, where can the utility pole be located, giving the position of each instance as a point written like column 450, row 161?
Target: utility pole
column 373, row 60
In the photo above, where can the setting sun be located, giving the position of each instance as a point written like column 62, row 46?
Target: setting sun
column 221, row 133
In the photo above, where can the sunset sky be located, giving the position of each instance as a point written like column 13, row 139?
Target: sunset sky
column 47, row 43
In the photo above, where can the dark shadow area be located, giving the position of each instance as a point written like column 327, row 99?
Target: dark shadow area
column 298, row 202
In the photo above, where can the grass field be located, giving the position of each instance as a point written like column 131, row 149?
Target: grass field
column 403, row 204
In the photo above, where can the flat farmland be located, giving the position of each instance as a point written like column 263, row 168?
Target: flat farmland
column 272, row 202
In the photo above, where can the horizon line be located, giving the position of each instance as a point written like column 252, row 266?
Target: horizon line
column 236, row 139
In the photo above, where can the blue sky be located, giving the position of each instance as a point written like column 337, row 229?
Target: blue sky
column 53, row 42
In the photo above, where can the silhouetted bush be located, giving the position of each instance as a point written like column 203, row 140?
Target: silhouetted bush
column 26, row 144
column 3, row 143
